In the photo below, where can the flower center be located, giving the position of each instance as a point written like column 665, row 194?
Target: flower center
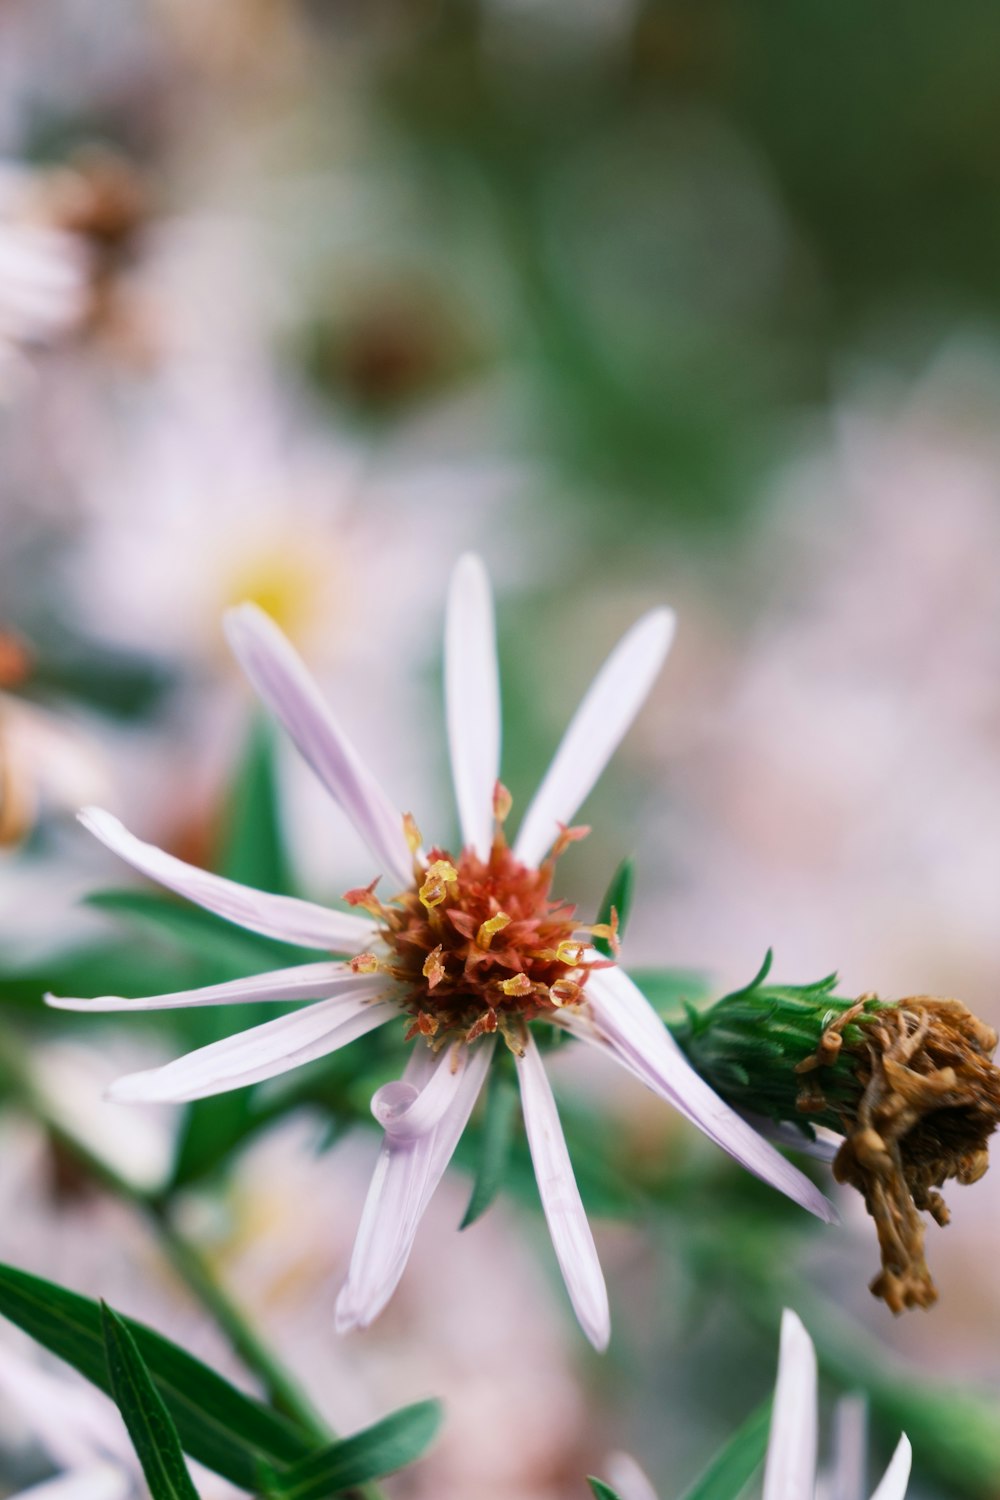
column 479, row 945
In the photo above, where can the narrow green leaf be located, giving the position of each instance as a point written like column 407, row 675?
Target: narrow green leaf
column 617, row 897
column 253, row 848
column 733, row 1466
column 601, row 1490
column 495, row 1143
column 218, row 1425
column 389, row 1445
column 154, row 1436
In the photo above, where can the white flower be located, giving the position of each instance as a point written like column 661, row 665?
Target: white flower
column 78, row 1429
column 790, row 1470
column 470, row 947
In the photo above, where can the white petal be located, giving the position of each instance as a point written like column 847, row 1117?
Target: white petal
column 281, row 679
column 620, row 1015
column 595, row 731
column 406, row 1175
column 846, row 1477
column 564, row 1211
column 282, row 917
column 472, row 701
column 259, row 1053
column 101, row 1482
column 892, row 1485
column 790, row 1472
column 304, row 982
column 74, row 1423
column 406, row 1111
column 627, row 1479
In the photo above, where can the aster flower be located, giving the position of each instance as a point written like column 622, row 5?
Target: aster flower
column 790, row 1469
column 470, row 949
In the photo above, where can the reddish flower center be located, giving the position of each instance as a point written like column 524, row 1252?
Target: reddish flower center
column 480, row 945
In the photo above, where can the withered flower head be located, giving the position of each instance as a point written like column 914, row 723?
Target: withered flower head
column 910, row 1086
column 927, row 1101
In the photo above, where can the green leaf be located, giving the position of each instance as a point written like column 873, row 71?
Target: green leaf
column 154, row 1436
column 601, row 1490
column 199, row 933
column 495, row 1143
column 733, row 1466
column 382, row 1449
column 253, row 848
column 218, row 1425
column 617, row 897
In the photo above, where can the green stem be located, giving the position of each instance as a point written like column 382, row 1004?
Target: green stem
column 281, row 1387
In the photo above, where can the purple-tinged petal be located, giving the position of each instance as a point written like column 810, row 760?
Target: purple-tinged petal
column 472, row 701
column 790, row 1471
column 617, row 1015
column 281, row 679
column 304, row 982
column 260, row 1052
column 627, row 1479
column 282, row 917
column 406, row 1174
column 564, row 1211
column 406, row 1111
column 73, row 1423
column 892, row 1485
column 99, row 1482
column 595, row 731
column 845, row 1479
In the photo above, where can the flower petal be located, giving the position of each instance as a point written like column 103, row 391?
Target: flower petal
column 100, row 1482
column 281, row 679
column 472, row 701
column 595, row 731
column 303, row 982
column 405, row 1111
column 260, row 1052
column 845, row 1479
column 564, row 1211
column 627, row 1479
column 405, row 1177
column 892, row 1485
column 623, row 1021
column 75, row 1424
column 282, row 917
column 790, row 1472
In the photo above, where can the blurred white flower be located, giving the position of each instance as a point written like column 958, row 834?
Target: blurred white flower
column 790, row 1468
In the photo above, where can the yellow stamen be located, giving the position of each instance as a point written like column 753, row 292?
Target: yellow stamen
column 364, row 963
column 569, row 952
column 414, row 838
column 433, row 970
column 365, row 897
column 565, row 992
column 440, row 875
column 502, row 802
column 519, row 985
column 489, row 929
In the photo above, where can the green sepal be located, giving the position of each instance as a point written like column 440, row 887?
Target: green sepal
column 218, row 1425
column 144, row 1412
column 393, row 1443
column 601, row 1490
column 496, row 1139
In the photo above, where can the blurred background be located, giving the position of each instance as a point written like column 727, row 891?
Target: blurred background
column 644, row 301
